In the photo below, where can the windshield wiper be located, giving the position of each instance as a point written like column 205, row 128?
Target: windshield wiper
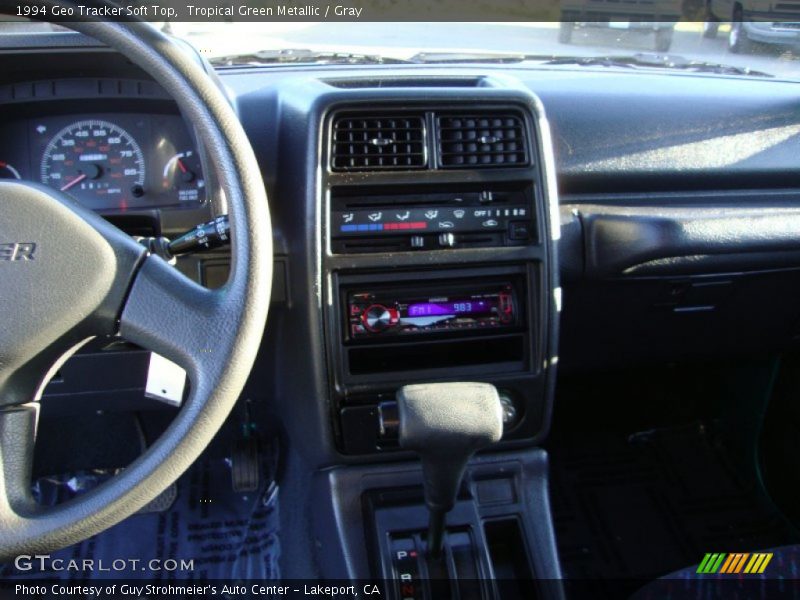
column 656, row 61
column 700, row 66
column 301, row 56
column 468, row 57
column 635, row 61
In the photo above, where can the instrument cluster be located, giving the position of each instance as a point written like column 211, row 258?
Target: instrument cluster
column 113, row 162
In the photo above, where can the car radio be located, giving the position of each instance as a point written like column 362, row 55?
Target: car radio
column 382, row 314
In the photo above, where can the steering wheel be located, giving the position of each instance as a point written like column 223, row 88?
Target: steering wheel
column 67, row 275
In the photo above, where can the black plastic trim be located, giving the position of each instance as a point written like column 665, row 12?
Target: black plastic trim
column 724, row 233
column 538, row 389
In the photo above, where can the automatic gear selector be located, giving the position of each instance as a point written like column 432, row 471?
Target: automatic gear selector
column 445, row 424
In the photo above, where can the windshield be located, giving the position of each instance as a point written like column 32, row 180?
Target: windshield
column 716, row 46
column 776, row 53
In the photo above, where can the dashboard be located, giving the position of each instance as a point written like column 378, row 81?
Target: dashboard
column 406, row 251
column 108, row 161
column 423, row 261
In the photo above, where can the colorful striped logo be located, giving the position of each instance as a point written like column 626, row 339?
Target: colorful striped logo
column 729, row 564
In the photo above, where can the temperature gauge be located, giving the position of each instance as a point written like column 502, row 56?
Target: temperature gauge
column 183, row 174
column 8, row 172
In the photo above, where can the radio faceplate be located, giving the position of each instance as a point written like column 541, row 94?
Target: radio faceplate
column 388, row 313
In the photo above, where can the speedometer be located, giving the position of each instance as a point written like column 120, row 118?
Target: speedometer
column 97, row 161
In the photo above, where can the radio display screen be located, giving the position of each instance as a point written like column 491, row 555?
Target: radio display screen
column 409, row 312
column 458, row 306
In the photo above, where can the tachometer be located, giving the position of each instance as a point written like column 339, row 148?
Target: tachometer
column 97, row 161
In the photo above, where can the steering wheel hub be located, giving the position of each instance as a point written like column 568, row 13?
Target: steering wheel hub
column 65, row 272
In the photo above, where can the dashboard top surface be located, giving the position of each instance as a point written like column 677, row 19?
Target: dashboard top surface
column 614, row 130
column 606, row 124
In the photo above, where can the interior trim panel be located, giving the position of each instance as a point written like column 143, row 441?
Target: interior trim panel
column 623, row 240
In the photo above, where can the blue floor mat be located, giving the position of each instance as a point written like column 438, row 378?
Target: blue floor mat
column 225, row 535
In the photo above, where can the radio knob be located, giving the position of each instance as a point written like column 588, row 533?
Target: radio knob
column 379, row 318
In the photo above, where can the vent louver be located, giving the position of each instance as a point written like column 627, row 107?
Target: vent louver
column 481, row 140
column 378, row 143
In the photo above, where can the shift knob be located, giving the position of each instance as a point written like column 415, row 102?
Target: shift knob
column 445, row 424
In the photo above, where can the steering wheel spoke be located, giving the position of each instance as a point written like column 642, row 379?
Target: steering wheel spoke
column 17, row 436
column 171, row 315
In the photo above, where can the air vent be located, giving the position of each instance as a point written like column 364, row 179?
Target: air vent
column 377, row 143
column 482, row 140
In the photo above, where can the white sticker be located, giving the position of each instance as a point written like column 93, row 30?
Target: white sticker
column 165, row 380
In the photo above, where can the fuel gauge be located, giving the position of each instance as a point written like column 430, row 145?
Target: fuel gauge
column 183, row 175
column 8, row 172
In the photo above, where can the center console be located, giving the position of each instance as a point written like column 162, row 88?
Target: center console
column 439, row 251
column 438, row 266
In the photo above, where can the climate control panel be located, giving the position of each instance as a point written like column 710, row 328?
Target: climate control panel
column 435, row 219
column 423, row 220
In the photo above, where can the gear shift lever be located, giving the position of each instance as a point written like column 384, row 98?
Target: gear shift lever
column 446, row 423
